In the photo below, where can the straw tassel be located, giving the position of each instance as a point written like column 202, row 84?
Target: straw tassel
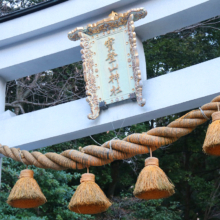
column 211, row 144
column 152, row 182
column 26, row 193
column 88, row 197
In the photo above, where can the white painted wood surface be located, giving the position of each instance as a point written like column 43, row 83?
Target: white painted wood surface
column 2, row 109
column 28, row 46
column 2, row 95
column 168, row 94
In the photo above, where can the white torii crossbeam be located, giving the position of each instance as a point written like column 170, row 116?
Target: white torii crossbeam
column 38, row 42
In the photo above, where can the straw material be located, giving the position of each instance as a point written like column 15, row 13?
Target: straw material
column 152, row 182
column 26, row 193
column 89, row 198
column 211, row 144
column 130, row 146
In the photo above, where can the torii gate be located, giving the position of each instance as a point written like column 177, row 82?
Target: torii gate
column 38, row 42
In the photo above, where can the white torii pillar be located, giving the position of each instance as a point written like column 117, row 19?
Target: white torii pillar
column 2, row 109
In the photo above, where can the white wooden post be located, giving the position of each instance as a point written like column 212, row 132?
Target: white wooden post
column 2, row 95
column 2, row 109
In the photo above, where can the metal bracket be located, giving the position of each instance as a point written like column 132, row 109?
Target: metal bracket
column 133, row 97
column 103, row 106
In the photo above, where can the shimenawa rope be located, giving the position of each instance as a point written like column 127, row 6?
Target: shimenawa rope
column 130, row 146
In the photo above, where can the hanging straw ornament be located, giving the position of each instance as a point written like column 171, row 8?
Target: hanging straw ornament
column 88, row 197
column 211, row 144
column 152, row 182
column 26, row 193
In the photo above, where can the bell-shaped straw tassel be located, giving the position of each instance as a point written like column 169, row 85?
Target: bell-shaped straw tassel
column 88, row 197
column 152, row 182
column 211, row 144
column 26, row 193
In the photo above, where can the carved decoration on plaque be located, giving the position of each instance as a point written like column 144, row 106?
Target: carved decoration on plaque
column 110, row 60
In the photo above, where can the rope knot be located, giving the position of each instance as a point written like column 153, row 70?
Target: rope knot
column 81, row 150
column 87, row 177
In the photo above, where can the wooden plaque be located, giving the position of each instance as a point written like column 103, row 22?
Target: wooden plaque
column 110, row 60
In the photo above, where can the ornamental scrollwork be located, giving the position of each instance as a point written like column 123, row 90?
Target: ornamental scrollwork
column 89, row 77
column 113, row 21
column 135, row 61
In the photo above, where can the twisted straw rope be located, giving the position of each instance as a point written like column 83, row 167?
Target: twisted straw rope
column 130, row 146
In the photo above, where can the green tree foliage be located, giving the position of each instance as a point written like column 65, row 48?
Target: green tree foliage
column 175, row 51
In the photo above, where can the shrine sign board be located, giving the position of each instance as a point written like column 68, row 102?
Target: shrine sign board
column 110, row 60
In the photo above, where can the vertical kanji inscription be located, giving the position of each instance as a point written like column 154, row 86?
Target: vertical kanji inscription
column 114, row 75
